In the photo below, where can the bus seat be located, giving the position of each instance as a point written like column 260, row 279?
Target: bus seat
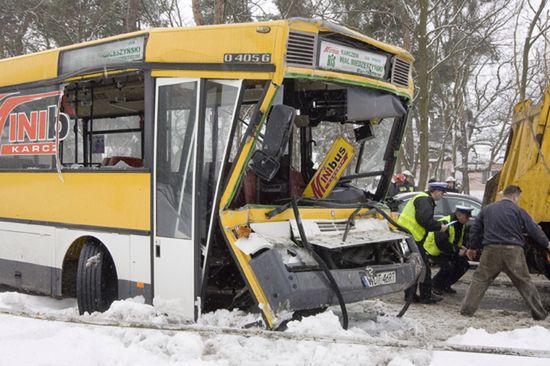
column 254, row 190
column 297, row 184
column 250, row 187
column 130, row 160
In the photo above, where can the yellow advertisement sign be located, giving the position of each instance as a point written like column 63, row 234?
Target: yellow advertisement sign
column 330, row 170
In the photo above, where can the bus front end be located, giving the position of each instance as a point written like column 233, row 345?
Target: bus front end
column 302, row 209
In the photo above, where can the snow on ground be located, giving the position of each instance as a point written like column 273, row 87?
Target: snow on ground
column 26, row 341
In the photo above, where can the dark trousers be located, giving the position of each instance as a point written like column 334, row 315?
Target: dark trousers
column 425, row 286
column 451, row 268
column 509, row 259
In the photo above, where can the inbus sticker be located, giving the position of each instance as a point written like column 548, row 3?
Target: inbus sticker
column 28, row 123
column 330, row 170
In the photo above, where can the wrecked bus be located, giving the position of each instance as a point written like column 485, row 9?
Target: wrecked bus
column 210, row 167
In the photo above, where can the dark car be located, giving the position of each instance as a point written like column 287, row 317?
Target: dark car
column 444, row 207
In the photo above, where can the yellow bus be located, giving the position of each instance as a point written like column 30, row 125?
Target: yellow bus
column 227, row 166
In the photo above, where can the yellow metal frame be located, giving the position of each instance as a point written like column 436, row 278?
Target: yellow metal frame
column 527, row 162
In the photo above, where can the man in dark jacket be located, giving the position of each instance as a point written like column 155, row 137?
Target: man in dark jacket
column 400, row 185
column 418, row 218
column 446, row 249
column 499, row 229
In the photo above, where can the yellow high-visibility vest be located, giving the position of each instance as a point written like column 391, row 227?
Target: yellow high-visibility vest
column 407, row 219
column 430, row 245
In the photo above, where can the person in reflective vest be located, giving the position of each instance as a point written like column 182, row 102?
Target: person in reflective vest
column 418, row 218
column 446, row 249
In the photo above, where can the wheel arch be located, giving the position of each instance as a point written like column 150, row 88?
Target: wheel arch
column 69, row 266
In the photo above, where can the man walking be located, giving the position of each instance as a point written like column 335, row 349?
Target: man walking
column 499, row 229
column 446, row 250
column 418, row 218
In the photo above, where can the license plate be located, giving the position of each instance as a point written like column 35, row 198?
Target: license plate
column 378, row 279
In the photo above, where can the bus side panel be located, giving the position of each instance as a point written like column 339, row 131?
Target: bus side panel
column 180, row 47
column 130, row 253
column 117, row 200
column 140, row 268
column 26, row 256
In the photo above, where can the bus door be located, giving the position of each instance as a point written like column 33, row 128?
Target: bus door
column 194, row 123
column 175, row 253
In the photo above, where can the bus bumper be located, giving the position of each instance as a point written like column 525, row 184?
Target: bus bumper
column 299, row 290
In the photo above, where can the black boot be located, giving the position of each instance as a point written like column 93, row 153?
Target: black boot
column 432, row 299
column 449, row 290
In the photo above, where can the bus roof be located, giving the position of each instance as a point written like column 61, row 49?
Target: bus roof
column 211, row 47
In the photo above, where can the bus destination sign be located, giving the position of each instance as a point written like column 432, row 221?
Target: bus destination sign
column 97, row 56
column 333, row 56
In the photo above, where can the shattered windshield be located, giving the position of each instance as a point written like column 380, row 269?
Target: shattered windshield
column 325, row 140
column 369, row 148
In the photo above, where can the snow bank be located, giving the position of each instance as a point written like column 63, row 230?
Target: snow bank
column 535, row 338
column 38, row 342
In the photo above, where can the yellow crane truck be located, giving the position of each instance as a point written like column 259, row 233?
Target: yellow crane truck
column 527, row 164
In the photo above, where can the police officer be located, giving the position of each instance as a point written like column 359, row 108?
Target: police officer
column 446, row 250
column 418, row 218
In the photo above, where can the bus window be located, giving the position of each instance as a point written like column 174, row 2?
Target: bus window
column 116, row 140
column 106, row 123
column 72, row 149
column 221, row 101
column 253, row 90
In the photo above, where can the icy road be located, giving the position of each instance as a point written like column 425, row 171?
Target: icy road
column 502, row 323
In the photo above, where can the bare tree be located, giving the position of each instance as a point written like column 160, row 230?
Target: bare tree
column 543, row 24
column 197, row 14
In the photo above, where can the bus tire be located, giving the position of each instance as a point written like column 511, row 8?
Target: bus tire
column 96, row 279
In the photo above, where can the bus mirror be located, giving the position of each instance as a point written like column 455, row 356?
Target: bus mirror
column 265, row 162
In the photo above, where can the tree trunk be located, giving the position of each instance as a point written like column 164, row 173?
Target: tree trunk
column 423, row 95
column 219, row 11
column 132, row 16
column 197, row 15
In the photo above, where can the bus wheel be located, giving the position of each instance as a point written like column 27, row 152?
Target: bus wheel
column 96, row 278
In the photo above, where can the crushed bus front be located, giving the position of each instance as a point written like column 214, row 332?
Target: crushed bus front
column 305, row 193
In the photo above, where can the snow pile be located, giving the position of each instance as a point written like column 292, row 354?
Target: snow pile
column 326, row 323
column 36, row 342
column 536, row 338
column 229, row 318
column 20, row 302
column 133, row 310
